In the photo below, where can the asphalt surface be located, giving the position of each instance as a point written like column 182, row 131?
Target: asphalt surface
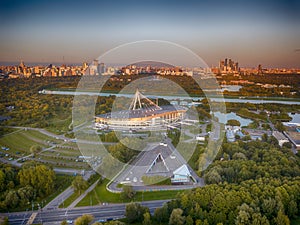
column 54, row 204
column 114, row 211
column 121, row 177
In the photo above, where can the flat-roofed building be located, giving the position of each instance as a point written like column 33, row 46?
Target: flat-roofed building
column 280, row 137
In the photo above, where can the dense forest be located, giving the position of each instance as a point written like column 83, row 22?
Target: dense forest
column 25, row 187
column 249, row 183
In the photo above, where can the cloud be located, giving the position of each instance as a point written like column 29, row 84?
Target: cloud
column 297, row 50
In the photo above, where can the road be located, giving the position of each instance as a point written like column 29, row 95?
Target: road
column 54, row 204
column 46, row 217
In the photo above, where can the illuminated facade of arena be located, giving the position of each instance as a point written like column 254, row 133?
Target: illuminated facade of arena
column 142, row 113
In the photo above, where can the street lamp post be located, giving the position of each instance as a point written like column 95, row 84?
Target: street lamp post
column 40, row 213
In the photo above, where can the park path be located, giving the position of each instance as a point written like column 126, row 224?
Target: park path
column 76, row 201
column 54, row 204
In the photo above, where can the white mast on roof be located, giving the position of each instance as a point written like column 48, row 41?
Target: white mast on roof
column 140, row 101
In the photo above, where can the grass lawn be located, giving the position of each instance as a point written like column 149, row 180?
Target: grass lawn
column 22, row 141
column 100, row 195
column 38, row 135
column 60, row 124
column 69, row 200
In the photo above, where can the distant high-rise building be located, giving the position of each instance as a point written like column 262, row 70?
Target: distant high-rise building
column 228, row 65
column 22, row 65
column 93, row 70
column 236, row 66
column 85, row 65
column 101, row 68
column 95, row 62
column 259, row 69
column 221, row 64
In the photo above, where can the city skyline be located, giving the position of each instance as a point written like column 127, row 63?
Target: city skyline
column 251, row 32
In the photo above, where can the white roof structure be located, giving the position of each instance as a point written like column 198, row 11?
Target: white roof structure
column 181, row 174
column 183, row 171
column 140, row 101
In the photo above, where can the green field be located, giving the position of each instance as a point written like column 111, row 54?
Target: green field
column 22, row 140
column 69, row 200
column 19, row 142
column 60, row 124
column 100, row 195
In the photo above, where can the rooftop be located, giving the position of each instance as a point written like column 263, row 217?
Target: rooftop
column 138, row 113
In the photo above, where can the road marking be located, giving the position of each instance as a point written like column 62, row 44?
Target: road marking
column 31, row 219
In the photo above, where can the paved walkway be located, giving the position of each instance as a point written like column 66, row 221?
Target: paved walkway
column 74, row 203
column 54, row 204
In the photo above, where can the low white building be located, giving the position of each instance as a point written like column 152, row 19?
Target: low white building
column 280, row 137
column 181, row 175
column 231, row 131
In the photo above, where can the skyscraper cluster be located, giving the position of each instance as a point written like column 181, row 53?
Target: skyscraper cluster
column 96, row 68
column 228, row 65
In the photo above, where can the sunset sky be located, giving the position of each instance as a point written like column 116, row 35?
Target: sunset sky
column 250, row 32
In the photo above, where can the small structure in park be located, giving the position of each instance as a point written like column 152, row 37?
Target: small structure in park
column 181, row 175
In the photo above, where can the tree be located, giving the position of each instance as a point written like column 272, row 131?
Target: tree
column 79, row 184
column 25, row 194
column 292, row 209
column 161, row 214
column 147, row 219
column 64, row 222
column 2, row 180
column 189, row 220
column 121, row 150
column 135, row 212
column 4, row 221
column 97, row 223
column 287, row 145
column 176, row 217
column 258, row 219
column 84, row 219
column 212, row 177
column 40, row 177
column 239, row 155
column 128, row 192
column 12, row 199
column 282, row 219
column 114, row 222
column 264, row 137
column 233, row 122
column 244, row 215
column 34, row 149
column 279, row 126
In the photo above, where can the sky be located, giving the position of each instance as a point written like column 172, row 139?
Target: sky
column 253, row 32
